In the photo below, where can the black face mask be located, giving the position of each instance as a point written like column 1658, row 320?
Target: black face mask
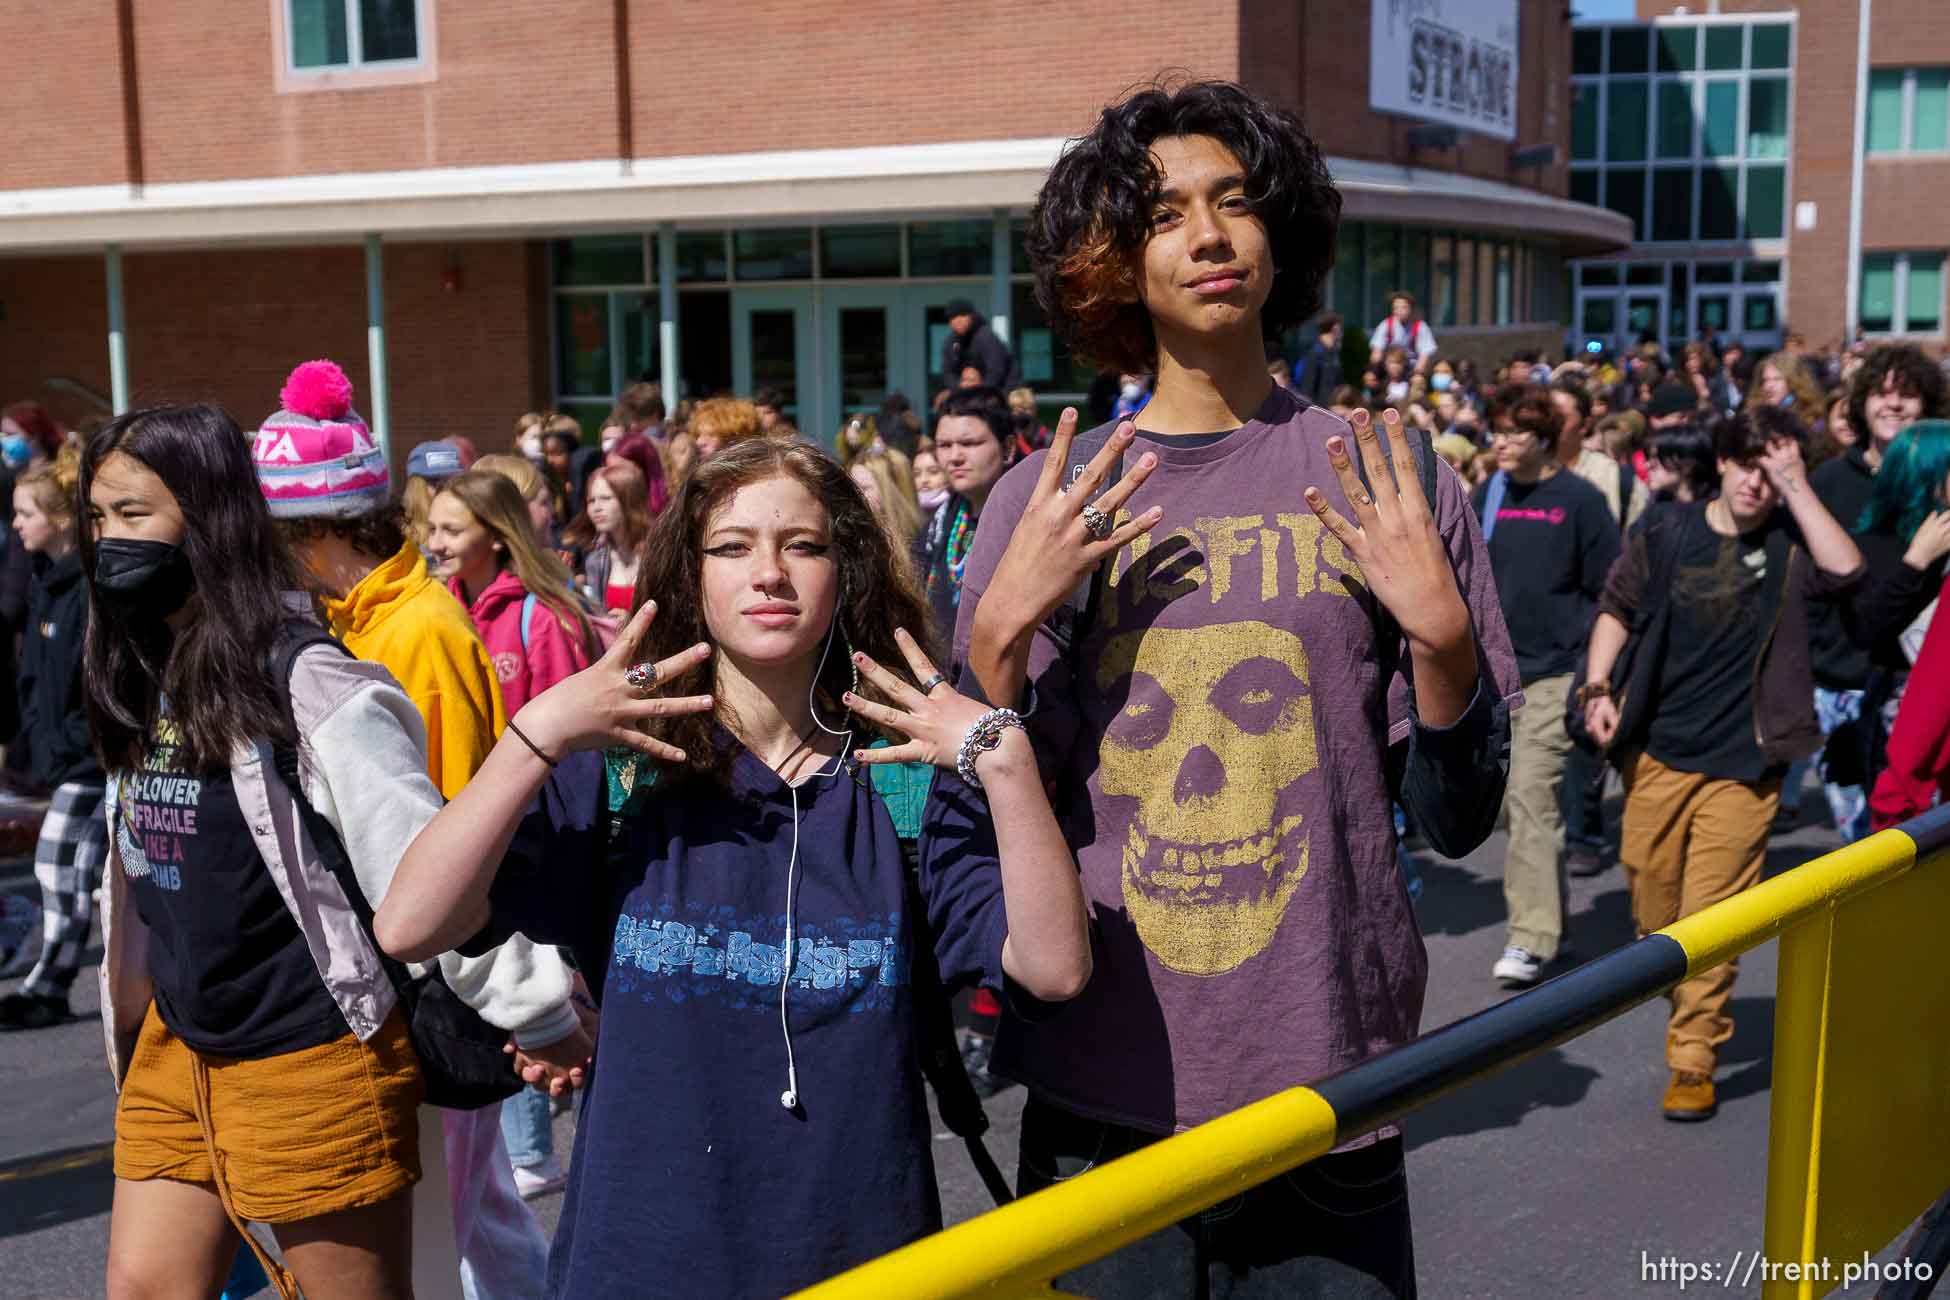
column 142, row 579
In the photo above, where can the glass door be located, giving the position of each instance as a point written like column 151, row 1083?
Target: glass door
column 774, row 345
column 872, row 348
column 1645, row 316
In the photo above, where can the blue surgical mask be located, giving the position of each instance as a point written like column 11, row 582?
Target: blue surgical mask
column 1440, row 382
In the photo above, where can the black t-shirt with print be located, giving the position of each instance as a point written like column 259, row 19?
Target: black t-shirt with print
column 233, row 975
column 1705, row 717
column 1553, row 542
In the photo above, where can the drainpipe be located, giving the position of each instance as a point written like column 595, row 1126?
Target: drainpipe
column 625, row 127
column 376, row 345
column 118, row 347
column 1855, row 174
column 667, row 311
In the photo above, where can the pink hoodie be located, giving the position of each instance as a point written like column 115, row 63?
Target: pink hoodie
column 553, row 651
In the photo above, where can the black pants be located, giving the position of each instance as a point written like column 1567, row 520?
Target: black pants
column 1583, row 799
column 1334, row 1229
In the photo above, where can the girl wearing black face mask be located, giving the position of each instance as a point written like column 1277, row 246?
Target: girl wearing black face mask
column 218, row 914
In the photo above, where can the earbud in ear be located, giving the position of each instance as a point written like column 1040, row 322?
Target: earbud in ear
column 789, row 1099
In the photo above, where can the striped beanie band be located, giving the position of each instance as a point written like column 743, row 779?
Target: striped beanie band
column 315, row 457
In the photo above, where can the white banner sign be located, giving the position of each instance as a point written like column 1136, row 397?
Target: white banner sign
column 1447, row 61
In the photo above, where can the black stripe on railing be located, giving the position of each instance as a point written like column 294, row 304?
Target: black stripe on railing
column 1379, row 1089
column 1931, row 831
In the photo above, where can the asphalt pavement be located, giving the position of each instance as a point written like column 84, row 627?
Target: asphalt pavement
column 1556, row 1177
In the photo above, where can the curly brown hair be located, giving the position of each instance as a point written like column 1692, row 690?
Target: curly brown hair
column 1090, row 223
column 875, row 595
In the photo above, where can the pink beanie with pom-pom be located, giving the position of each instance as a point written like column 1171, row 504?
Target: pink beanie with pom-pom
column 315, row 457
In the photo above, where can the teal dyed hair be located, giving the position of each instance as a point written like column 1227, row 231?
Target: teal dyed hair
column 1909, row 484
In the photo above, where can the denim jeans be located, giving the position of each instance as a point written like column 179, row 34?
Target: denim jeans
column 1584, row 797
column 527, row 1128
column 1848, row 804
column 1336, row 1228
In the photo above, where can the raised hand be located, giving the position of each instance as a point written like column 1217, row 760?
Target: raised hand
column 1931, row 541
column 599, row 706
column 1053, row 549
column 934, row 721
column 1393, row 535
column 1782, row 465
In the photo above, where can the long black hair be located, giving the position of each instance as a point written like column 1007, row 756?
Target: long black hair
column 213, row 672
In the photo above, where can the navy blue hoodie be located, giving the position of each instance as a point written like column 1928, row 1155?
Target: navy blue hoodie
column 689, row 1177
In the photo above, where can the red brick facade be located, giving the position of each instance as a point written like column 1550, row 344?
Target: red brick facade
column 1902, row 198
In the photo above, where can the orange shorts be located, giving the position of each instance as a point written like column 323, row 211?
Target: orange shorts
column 306, row 1133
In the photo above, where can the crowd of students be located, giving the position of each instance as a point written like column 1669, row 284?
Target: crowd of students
column 691, row 769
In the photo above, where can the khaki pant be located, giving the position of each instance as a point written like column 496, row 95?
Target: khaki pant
column 1533, row 865
column 1687, row 842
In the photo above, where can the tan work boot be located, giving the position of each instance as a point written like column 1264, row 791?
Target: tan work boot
column 1689, row 1097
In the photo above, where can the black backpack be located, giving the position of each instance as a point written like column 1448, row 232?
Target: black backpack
column 462, row 1062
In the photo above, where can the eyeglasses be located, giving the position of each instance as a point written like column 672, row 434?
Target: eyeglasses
column 1509, row 435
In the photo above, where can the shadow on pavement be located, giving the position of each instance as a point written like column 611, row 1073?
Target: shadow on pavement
column 55, row 1187
column 1455, row 900
column 1547, row 1080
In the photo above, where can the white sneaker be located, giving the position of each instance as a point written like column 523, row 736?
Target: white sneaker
column 540, row 1180
column 1517, row 967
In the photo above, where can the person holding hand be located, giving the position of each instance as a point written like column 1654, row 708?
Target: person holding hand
column 1234, row 657
column 1712, row 597
column 735, row 888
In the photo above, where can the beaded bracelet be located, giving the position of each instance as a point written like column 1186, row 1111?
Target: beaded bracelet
column 984, row 735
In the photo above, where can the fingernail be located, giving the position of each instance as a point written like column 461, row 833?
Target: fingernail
column 1313, row 494
column 649, row 604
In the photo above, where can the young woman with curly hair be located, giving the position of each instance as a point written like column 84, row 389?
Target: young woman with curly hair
column 1289, row 652
column 748, row 921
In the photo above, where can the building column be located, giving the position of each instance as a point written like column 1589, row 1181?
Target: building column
column 378, row 411
column 999, row 278
column 118, row 345
column 667, row 313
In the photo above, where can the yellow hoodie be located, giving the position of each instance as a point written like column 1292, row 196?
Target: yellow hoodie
column 398, row 616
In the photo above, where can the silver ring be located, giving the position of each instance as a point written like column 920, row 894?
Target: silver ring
column 642, row 677
column 927, row 687
column 1097, row 522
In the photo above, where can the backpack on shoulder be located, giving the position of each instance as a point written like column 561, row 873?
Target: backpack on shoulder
column 461, row 1060
column 903, row 791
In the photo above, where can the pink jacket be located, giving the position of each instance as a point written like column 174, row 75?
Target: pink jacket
column 552, row 651
column 1918, row 774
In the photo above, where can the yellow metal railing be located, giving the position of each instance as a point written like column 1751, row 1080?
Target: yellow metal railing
column 1862, row 1049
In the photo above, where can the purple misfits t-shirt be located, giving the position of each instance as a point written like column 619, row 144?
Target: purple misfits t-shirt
column 1218, row 753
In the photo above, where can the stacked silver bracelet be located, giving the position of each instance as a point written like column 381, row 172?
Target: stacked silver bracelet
column 984, row 735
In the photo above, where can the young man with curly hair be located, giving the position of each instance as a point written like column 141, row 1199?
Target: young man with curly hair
column 1281, row 643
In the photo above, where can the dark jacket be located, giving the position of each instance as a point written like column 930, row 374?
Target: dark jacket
column 53, row 715
column 937, row 577
column 983, row 350
column 1889, row 600
column 16, row 577
column 1320, row 373
column 1783, row 688
column 1843, row 485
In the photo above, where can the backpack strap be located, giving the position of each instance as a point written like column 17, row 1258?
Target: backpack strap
column 1493, row 502
column 528, row 603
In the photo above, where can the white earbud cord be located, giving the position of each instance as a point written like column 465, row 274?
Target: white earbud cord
column 790, row 1097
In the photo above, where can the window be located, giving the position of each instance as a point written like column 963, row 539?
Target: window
column 1767, row 117
column 1719, row 199
column 1766, row 202
column 1902, row 293
column 600, row 259
column 1770, row 47
column 1675, row 119
column 701, row 256
column 1625, row 195
column 772, row 254
column 327, row 35
column 1672, row 203
column 1909, row 110
column 1442, row 280
column 1723, row 42
column 1722, row 138
column 1625, row 122
column 1584, row 120
column 1587, row 50
column 1678, row 49
column 860, row 252
column 1631, row 49
column 950, row 247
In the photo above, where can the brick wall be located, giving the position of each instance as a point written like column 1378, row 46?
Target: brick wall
column 61, row 98
column 227, row 327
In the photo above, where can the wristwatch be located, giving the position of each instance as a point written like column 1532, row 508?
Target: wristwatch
column 1593, row 691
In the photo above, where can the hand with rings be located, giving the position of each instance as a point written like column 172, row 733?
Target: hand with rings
column 611, row 701
column 1066, row 531
column 934, row 717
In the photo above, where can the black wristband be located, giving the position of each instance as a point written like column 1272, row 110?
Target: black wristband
column 523, row 738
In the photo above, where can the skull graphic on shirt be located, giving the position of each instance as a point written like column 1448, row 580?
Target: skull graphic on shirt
column 1213, row 725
